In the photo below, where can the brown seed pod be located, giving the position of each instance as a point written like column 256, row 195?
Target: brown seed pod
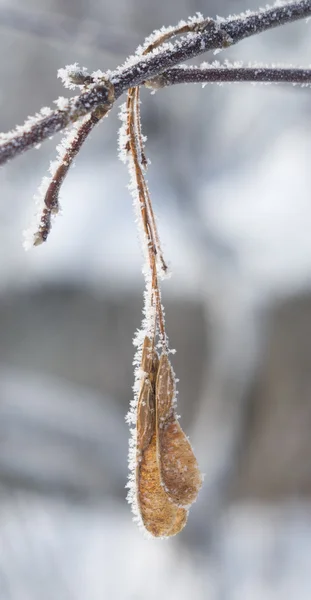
column 149, row 360
column 146, row 400
column 160, row 517
column 167, row 474
column 180, row 474
column 145, row 417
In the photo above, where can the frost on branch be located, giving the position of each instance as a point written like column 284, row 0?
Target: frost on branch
column 46, row 199
column 73, row 76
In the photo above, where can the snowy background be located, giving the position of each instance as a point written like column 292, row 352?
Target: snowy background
column 230, row 180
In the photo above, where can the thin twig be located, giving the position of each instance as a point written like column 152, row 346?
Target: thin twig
column 50, row 200
column 39, row 128
column 140, row 68
column 231, row 74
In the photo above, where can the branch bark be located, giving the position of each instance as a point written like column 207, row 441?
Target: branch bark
column 138, row 69
column 231, row 74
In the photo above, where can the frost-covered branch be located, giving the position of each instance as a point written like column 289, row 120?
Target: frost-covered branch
column 48, row 122
column 209, row 35
column 225, row 73
column 47, row 198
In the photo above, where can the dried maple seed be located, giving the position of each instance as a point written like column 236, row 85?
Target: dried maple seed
column 145, row 417
column 160, row 517
column 146, row 400
column 149, row 359
column 179, row 469
column 180, row 473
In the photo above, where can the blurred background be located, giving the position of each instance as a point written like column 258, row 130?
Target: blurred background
column 230, row 181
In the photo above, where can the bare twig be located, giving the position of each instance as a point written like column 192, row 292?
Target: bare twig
column 43, row 126
column 50, row 200
column 138, row 69
column 231, row 74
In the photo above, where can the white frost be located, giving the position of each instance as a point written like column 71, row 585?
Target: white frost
column 62, row 148
column 68, row 73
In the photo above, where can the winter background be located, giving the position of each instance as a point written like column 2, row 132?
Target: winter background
column 230, row 181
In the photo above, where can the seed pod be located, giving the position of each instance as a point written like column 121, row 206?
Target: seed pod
column 160, row 517
column 180, row 474
column 145, row 417
column 146, row 400
column 149, row 360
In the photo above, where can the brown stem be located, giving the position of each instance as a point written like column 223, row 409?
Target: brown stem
column 51, row 203
column 145, row 203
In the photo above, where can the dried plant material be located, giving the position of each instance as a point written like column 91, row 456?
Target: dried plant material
column 179, row 469
column 167, row 475
column 134, row 146
column 180, row 473
column 160, row 517
column 132, row 152
column 145, row 417
column 146, row 400
column 149, row 359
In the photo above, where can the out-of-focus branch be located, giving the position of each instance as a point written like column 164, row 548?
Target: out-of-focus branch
column 68, row 30
column 140, row 68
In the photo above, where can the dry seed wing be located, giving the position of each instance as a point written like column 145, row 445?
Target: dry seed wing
column 146, row 400
column 180, row 472
column 149, row 360
column 145, row 417
column 165, row 391
column 160, row 517
column 179, row 469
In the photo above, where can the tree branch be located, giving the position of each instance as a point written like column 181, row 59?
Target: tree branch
column 50, row 197
column 231, row 74
column 138, row 69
